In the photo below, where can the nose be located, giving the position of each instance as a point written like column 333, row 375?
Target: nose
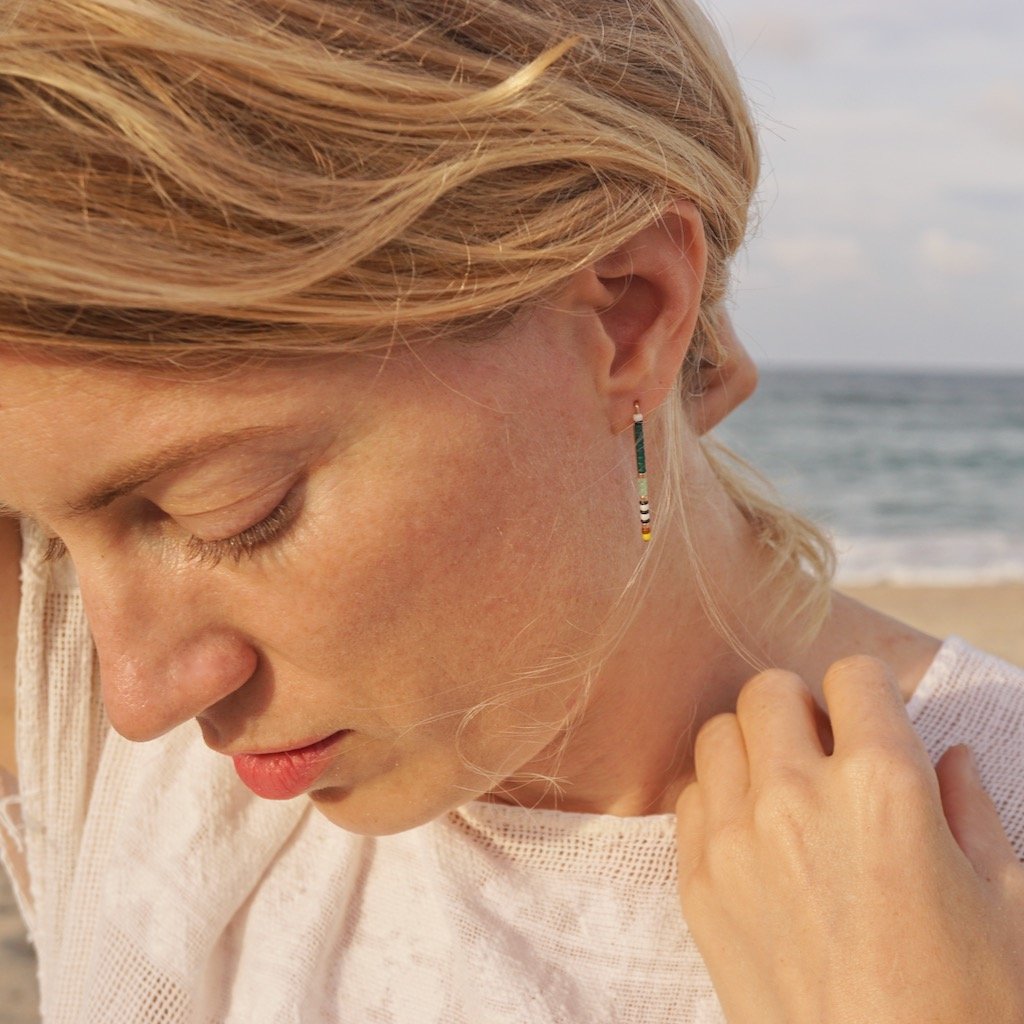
column 162, row 662
column 146, row 695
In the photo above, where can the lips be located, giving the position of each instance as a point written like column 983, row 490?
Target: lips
column 287, row 773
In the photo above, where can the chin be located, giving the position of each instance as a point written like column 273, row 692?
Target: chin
column 364, row 813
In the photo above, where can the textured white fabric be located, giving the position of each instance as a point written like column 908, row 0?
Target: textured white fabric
column 159, row 890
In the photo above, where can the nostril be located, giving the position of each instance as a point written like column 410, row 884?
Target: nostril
column 214, row 666
column 211, row 734
column 210, row 669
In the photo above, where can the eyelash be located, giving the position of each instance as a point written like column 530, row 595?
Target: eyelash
column 246, row 543
column 212, row 552
column 55, row 550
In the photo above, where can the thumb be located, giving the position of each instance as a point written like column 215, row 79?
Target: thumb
column 971, row 814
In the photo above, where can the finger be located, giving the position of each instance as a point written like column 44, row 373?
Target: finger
column 866, row 709
column 778, row 718
column 689, row 832
column 720, row 763
column 972, row 815
column 727, row 384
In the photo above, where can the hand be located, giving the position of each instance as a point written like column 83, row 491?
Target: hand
column 829, row 888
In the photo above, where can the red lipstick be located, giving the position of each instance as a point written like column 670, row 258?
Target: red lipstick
column 286, row 773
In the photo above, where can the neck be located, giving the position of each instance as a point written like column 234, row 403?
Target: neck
column 629, row 750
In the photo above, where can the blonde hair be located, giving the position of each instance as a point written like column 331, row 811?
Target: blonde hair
column 190, row 182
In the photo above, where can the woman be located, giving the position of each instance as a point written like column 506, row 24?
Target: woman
column 330, row 332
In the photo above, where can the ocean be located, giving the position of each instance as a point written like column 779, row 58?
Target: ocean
column 918, row 476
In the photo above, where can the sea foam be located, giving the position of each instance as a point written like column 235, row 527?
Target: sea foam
column 955, row 558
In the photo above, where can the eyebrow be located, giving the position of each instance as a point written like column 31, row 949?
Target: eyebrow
column 132, row 476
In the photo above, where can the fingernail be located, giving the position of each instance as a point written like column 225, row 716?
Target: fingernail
column 972, row 762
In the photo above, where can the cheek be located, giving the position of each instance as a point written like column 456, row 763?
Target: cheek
column 475, row 561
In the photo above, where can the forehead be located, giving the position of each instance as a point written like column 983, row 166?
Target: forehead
column 65, row 426
column 68, row 428
column 77, row 414
column 49, row 406
column 54, row 396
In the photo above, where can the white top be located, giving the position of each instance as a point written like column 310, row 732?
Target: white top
column 158, row 889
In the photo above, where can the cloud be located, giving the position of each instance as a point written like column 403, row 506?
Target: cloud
column 943, row 254
column 1001, row 109
column 819, row 258
column 893, row 189
column 1002, row 201
column 784, row 36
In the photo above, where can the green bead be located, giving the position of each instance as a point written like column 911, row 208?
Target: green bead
column 638, row 440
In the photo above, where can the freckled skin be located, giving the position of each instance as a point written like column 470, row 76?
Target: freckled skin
column 445, row 545
column 465, row 529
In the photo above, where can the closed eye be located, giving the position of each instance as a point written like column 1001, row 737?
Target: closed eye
column 243, row 544
column 247, row 542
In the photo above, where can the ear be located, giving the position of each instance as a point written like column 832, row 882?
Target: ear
column 645, row 297
column 725, row 386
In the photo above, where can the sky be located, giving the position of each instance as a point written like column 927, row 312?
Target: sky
column 890, row 220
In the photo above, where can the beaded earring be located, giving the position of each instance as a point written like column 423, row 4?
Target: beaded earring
column 641, row 471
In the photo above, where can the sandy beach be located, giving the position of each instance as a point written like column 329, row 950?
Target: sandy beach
column 19, row 1002
column 991, row 617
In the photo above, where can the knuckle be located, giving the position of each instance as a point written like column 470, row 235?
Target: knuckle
column 717, row 725
column 860, row 662
column 881, row 773
column 768, row 686
column 714, row 732
column 860, row 666
column 785, row 802
column 714, row 865
column 727, row 845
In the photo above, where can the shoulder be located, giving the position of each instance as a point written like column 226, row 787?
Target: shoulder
column 977, row 683
column 10, row 590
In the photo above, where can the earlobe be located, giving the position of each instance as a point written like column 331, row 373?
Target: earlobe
column 652, row 287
